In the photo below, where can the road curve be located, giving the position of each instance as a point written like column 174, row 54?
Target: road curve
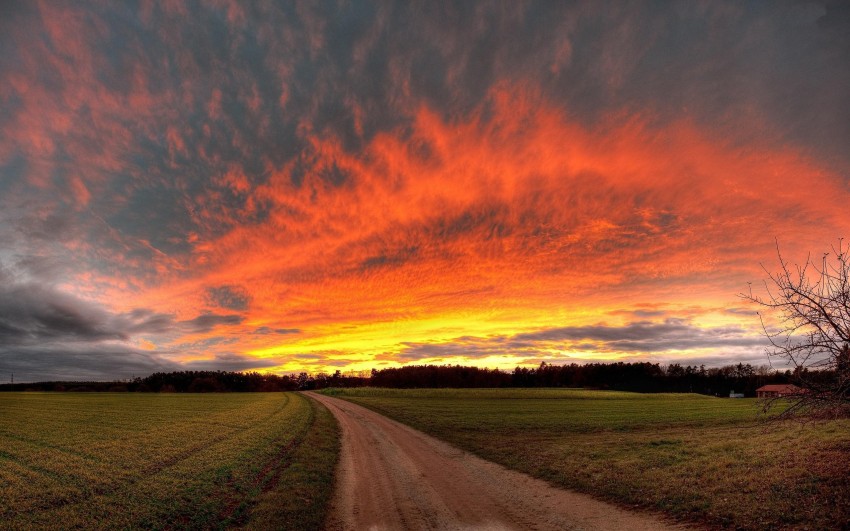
column 391, row 476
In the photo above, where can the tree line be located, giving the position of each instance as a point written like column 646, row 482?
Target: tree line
column 639, row 377
column 177, row 382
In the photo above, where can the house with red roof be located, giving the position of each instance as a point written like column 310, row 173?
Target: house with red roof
column 778, row 390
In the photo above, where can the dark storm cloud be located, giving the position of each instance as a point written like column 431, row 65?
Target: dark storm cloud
column 644, row 336
column 640, row 313
column 208, row 321
column 265, row 330
column 229, row 297
column 337, row 363
column 51, row 226
column 390, row 259
column 633, row 338
column 750, row 312
column 80, row 362
column 31, row 314
column 144, row 321
column 309, row 356
column 229, row 362
column 49, row 334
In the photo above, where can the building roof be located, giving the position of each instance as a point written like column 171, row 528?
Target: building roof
column 779, row 388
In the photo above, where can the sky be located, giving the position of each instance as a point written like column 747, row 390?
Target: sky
column 319, row 186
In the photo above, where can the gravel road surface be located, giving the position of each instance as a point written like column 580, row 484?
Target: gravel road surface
column 391, row 476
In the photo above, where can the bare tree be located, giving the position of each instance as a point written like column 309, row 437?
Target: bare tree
column 806, row 318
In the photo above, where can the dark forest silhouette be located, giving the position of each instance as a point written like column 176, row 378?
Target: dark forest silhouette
column 640, row 377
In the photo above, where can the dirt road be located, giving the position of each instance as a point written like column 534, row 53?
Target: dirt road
column 391, row 476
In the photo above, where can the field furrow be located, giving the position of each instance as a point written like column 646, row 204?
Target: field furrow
column 161, row 461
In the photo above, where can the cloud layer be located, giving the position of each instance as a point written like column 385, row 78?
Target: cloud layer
column 311, row 185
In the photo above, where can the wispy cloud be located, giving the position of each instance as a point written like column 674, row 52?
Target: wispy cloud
column 629, row 341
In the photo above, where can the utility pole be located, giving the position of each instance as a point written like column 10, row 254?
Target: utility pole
column 13, row 377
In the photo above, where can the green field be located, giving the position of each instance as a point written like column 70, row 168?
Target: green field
column 126, row 460
column 696, row 458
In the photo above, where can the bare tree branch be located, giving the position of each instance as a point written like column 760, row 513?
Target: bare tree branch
column 810, row 304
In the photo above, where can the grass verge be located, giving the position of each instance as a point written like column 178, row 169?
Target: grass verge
column 696, row 458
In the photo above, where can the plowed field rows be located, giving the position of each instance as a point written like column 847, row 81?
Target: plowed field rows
column 160, row 460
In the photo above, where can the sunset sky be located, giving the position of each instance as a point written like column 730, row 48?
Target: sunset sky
column 312, row 186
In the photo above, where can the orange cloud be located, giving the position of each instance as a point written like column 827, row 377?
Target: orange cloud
column 513, row 220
